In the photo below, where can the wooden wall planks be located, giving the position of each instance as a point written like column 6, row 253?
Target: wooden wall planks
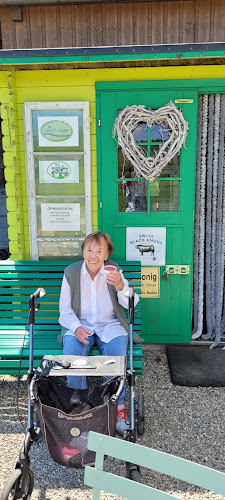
column 131, row 23
column 7, row 31
column 110, row 30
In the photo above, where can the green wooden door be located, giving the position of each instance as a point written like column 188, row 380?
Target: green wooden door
column 167, row 202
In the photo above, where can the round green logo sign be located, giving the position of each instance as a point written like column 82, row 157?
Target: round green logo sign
column 56, row 130
column 59, row 170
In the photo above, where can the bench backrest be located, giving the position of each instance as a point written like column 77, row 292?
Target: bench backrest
column 164, row 463
column 18, row 280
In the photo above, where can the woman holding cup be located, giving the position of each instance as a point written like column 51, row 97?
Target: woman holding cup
column 92, row 298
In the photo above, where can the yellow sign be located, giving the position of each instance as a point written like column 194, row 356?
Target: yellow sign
column 150, row 282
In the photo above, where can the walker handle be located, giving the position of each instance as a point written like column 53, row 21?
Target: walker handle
column 40, row 292
column 131, row 306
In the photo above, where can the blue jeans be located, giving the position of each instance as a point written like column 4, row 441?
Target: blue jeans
column 73, row 347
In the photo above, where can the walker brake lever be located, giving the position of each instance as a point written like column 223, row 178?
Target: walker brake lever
column 63, row 363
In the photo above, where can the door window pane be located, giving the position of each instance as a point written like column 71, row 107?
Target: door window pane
column 164, row 196
column 140, row 133
column 125, row 169
column 132, row 196
column 172, row 169
column 159, row 133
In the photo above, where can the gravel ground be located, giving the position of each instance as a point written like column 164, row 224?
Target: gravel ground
column 187, row 422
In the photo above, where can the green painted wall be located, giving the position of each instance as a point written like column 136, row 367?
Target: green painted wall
column 58, row 85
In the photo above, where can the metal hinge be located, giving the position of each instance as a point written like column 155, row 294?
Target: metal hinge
column 99, row 123
column 100, row 204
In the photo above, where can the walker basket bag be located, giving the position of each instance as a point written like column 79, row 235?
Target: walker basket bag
column 67, row 415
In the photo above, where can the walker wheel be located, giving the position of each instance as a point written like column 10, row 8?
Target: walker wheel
column 135, row 475
column 133, row 472
column 12, row 488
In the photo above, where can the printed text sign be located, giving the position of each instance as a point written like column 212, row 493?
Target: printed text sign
column 60, row 216
column 146, row 244
column 150, row 282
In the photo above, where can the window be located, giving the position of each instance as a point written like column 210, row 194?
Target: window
column 139, row 195
column 57, row 144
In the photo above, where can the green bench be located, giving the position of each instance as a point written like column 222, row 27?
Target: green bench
column 159, row 461
column 18, row 280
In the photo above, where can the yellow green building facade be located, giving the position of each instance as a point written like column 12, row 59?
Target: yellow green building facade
column 109, row 83
column 19, row 86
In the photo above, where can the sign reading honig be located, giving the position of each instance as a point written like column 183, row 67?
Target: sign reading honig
column 150, row 277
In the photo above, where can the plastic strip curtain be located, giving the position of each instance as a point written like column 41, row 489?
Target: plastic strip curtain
column 209, row 241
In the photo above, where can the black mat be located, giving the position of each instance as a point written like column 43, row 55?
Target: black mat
column 196, row 365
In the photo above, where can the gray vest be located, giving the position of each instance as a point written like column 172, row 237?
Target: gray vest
column 72, row 274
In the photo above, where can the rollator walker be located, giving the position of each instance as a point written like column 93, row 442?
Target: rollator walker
column 65, row 415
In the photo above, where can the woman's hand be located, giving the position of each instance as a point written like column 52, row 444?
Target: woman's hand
column 82, row 334
column 115, row 278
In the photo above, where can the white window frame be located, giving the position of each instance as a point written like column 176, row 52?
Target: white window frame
column 28, row 108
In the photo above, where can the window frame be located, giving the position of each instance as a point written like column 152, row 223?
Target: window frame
column 28, row 108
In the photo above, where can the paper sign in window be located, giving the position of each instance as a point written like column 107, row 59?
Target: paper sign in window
column 58, row 172
column 60, row 217
column 58, row 131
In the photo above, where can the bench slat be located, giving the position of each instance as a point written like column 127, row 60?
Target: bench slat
column 23, row 314
column 20, row 328
column 24, row 307
column 159, row 461
column 52, row 343
column 33, row 265
column 121, row 486
column 31, row 282
column 17, row 299
column 35, row 275
column 28, row 291
column 53, row 264
column 39, row 321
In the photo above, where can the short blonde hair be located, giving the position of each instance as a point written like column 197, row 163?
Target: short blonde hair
column 97, row 236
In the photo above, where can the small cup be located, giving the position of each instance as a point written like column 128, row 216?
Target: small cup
column 109, row 269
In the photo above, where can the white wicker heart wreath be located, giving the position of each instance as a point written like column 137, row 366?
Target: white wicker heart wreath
column 168, row 116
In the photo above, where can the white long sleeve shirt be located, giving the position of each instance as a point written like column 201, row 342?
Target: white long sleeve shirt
column 97, row 313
